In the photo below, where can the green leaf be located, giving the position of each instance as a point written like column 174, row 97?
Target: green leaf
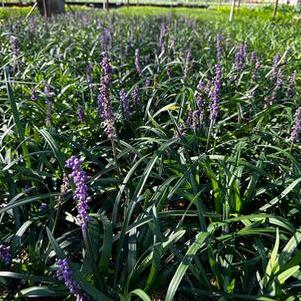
column 184, row 265
column 18, row 203
column 54, row 147
column 42, row 291
column 107, row 244
column 27, row 277
column 281, row 196
column 59, row 252
column 287, row 274
column 141, row 294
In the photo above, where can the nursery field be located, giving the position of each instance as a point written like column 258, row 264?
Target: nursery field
column 150, row 154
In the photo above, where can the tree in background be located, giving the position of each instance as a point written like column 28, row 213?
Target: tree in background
column 48, row 8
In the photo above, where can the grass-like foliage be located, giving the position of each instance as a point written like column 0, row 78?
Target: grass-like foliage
column 148, row 157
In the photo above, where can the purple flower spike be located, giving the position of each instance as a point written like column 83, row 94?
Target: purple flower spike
column 5, row 255
column 81, row 114
column 136, row 96
column 64, row 273
column 15, row 52
column 31, row 25
column 137, row 62
column 215, row 94
column 219, row 47
column 104, row 102
column 274, row 72
column 240, row 57
column 192, row 119
column 125, row 104
column 81, row 190
column 187, row 63
column 291, row 85
column 277, row 87
column 201, row 107
column 297, row 126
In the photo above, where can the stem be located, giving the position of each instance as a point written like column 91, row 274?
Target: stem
column 115, row 156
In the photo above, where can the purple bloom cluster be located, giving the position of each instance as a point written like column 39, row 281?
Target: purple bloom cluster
column 15, row 52
column 187, row 63
column 240, row 57
column 219, row 47
column 34, row 94
column 274, row 71
column 31, row 25
column 47, row 90
column 5, row 255
column 148, row 82
column 64, row 273
column 201, row 85
column 297, row 126
column 291, row 85
column 277, row 87
column 81, row 190
column 192, row 120
column 104, row 102
column 215, row 94
column 81, row 113
column 201, row 107
column 136, row 96
column 106, row 39
column 125, row 104
column 43, row 208
column 137, row 62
